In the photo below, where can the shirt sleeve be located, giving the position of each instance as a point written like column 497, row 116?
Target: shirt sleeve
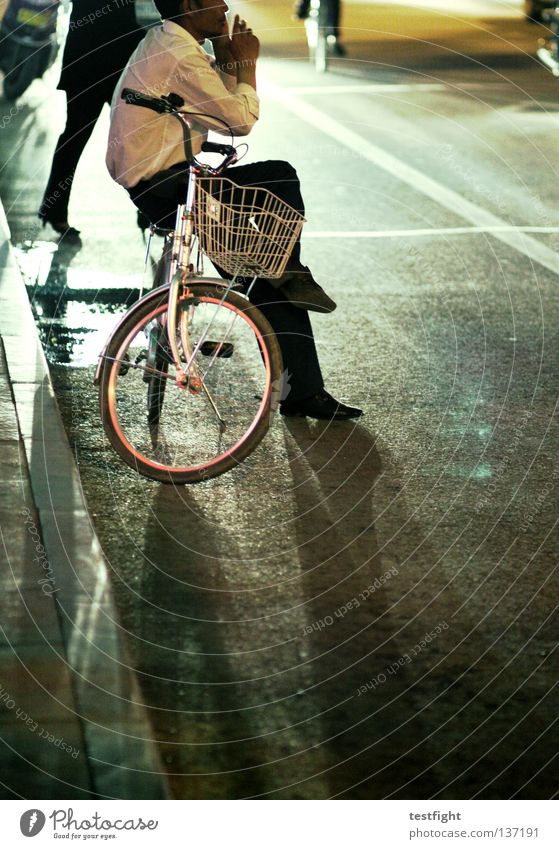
column 208, row 96
column 228, row 80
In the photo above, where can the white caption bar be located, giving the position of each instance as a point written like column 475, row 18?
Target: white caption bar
column 281, row 824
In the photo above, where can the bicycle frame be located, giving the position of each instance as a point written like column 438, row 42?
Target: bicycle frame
column 246, row 231
column 178, row 271
column 184, row 229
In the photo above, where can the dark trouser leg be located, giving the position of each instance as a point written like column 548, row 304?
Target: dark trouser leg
column 302, row 8
column 291, row 325
column 293, row 329
column 83, row 112
column 334, row 17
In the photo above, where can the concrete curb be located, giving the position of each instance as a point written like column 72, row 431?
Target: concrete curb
column 122, row 758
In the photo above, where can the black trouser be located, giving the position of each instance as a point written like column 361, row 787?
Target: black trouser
column 82, row 114
column 158, row 201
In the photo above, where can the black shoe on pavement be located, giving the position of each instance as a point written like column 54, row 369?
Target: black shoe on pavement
column 61, row 227
column 320, row 406
column 305, row 293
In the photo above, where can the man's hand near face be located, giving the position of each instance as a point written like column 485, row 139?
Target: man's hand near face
column 237, row 54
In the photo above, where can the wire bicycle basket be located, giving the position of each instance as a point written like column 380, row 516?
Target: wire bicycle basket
column 247, row 230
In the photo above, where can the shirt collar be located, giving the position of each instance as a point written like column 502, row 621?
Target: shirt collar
column 175, row 29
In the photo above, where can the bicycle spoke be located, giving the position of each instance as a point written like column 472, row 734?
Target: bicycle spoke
column 145, row 369
column 222, row 423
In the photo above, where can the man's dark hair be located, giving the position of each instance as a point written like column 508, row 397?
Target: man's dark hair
column 168, row 8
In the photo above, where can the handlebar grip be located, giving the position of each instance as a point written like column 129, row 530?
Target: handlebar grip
column 217, row 147
column 136, row 98
column 168, row 103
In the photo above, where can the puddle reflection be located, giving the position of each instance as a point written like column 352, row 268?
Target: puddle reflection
column 75, row 308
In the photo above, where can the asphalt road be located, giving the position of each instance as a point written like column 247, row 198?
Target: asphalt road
column 361, row 610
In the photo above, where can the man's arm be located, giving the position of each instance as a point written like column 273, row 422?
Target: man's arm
column 237, row 55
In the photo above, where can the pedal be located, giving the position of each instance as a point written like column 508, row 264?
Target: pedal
column 224, row 349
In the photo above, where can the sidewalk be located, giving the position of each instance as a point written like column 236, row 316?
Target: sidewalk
column 72, row 722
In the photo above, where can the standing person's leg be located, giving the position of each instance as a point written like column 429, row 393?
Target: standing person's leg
column 301, row 9
column 333, row 27
column 334, row 18
column 82, row 113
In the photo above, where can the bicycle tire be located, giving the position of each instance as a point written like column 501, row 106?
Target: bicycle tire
column 121, row 402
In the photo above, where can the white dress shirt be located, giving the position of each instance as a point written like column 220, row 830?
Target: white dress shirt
column 142, row 142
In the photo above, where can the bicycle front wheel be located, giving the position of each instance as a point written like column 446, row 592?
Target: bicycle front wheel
column 176, row 434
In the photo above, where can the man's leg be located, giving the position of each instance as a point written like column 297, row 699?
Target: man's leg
column 278, row 177
column 295, row 336
column 334, row 18
column 301, row 9
column 291, row 324
column 83, row 112
column 303, row 390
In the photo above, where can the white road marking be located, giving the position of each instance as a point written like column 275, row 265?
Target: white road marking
column 456, row 203
column 470, row 8
column 435, row 231
column 368, row 88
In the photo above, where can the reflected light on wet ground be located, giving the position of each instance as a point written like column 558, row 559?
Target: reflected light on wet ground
column 76, row 309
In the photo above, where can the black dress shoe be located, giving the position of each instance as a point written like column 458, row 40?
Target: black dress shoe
column 320, row 406
column 60, row 227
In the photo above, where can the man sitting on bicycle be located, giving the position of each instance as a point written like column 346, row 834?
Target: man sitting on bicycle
column 146, row 155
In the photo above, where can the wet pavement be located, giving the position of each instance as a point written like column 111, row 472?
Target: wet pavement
column 361, row 610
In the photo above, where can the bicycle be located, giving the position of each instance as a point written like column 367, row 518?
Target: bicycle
column 201, row 359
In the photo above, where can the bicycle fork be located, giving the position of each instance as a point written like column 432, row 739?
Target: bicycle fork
column 184, row 226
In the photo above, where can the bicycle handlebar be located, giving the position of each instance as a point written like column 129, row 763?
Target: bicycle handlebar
column 225, row 150
column 217, row 147
column 163, row 105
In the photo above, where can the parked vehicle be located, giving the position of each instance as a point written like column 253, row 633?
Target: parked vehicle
column 28, row 43
column 548, row 48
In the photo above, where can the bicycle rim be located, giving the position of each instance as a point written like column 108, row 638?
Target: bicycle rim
column 178, row 435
